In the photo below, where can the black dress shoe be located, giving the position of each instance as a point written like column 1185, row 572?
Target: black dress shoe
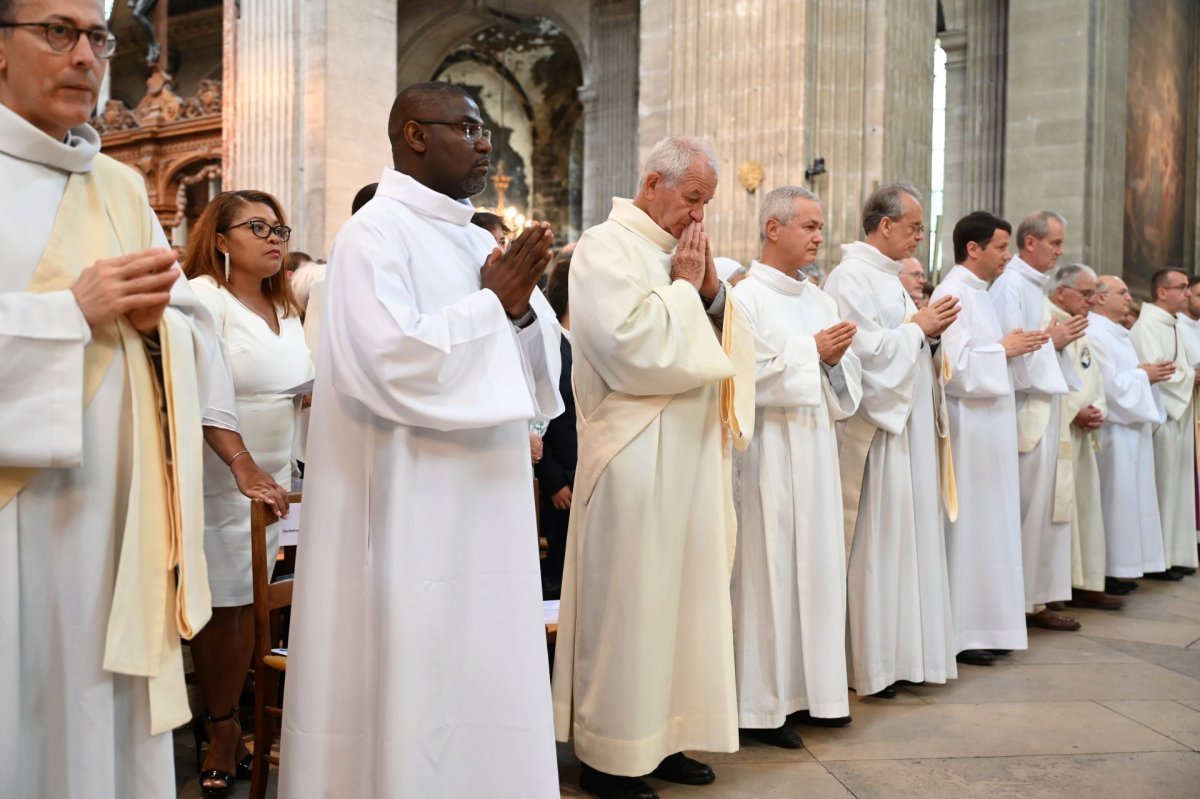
column 886, row 693
column 684, row 770
column 1118, row 587
column 807, row 719
column 1186, row 571
column 1167, row 576
column 610, row 786
column 976, row 657
column 1000, row 651
column 781, row 736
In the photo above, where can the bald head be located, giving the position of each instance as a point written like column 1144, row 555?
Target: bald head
column 912, row 276
column 438, row 138
column 422, row 101
column 1112, row 298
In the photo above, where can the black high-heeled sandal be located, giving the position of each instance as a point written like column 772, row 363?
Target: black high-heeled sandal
column 212, row 774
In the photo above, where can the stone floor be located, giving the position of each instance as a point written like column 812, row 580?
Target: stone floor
column 1110, row 711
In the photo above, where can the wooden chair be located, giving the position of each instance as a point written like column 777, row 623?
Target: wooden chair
column 270, row 599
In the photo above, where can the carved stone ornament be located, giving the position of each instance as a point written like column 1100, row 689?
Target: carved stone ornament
column 750, row 176
column 205, row 102
column 115, row 116
column 161, row 103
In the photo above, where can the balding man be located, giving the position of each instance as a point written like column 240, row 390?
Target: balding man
column 1072, row 294
column 644, row 660
column 898, row 594
column 1132, row 529
column 1157, row 339
column 912, row 276
column 418, row 653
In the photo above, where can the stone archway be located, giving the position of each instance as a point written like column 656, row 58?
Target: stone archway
column 587, row 149
column 526, row 77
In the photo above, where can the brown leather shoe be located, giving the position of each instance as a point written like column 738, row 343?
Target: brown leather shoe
column 1095, row 599
column 1048, row 620
column 1056, row 606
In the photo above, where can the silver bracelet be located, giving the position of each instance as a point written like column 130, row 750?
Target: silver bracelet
column 235, row 457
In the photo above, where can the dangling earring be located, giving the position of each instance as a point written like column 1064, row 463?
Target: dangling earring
column 227, row 279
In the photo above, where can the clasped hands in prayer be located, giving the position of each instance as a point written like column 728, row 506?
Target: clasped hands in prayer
column 512, row 274
column 938, row 315
column 693, row 262
column 136, row 286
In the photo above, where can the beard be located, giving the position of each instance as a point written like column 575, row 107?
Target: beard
column 472, row 186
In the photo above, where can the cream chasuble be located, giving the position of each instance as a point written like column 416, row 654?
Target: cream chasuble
column 417, row 664
column 1129, row 499
column 789, row 578
column 644, row 661
column 1156, row 337
column 101, row 560
column 1087, row 518
column 898, row 591
column 984, row 544
column 1044, row 445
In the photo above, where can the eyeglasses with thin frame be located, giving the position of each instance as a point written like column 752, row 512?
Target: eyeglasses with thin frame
column 260, row 229
column 1087, row 295
column 62, row 37
column 473, row 130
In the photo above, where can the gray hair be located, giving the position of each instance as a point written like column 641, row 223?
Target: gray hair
column 1037, row 225
column 1069, row 275
column 886, row 202
column 673, row 156
column 780, row 205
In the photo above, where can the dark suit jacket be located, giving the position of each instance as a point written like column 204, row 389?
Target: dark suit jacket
column 560, row 448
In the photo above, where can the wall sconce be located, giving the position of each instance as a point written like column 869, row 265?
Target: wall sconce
column 817, row 167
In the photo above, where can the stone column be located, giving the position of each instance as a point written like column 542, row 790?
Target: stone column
column 976, row 57
column 1065, row 132
column 307, row 121
column 264, row 140
column 781, row 82
column 733, row 74
column 348, row 84
column 610, row 108
column 954, row 42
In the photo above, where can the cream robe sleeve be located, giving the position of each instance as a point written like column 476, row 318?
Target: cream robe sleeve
column 978, row 369
column 1155, row 341
column 42, row 338
column 1043, row 371
column 886, row 356
column 642, row 339
column 1127, row 393
column 220, row 408
column 460, row 367
column 787, row 368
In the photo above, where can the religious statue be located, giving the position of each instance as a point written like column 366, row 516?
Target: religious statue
column 141, row 12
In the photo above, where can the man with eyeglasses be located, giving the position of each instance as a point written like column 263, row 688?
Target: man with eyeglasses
column 417, row 663
column 1129, row 498
column 1157, row 338
column 1040, row 379
column 1072, row 294
column 898, row 593
column 101, row 559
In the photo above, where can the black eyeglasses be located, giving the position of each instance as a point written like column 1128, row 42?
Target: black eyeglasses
column 262, row 230
column 62, row 37
column 474, row 131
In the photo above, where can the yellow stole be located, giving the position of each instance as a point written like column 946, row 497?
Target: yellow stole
column 161, row 589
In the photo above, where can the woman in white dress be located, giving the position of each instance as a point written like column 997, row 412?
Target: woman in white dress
column 234, row 263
